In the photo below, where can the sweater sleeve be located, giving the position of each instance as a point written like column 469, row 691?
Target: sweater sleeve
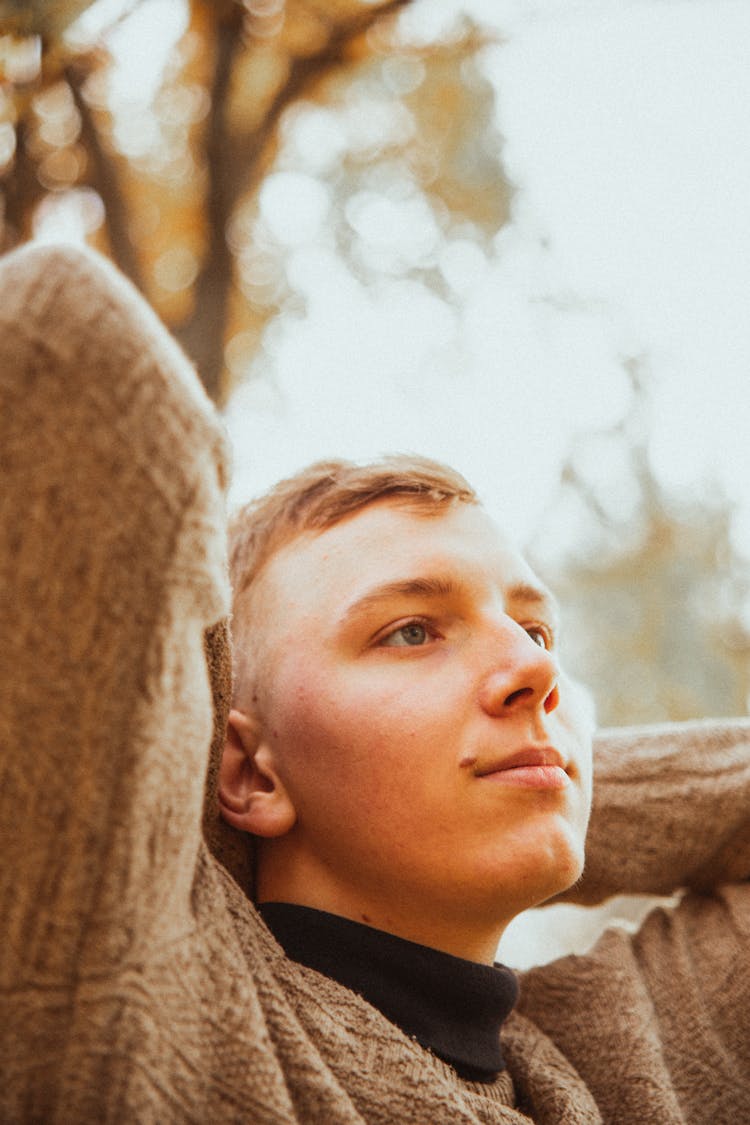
column 671, row 810
column 111, row 568
column 657, row 1022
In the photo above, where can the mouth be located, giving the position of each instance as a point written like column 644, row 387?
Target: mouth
column 535, row 767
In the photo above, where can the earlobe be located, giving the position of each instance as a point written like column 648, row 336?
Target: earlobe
column 252, row 796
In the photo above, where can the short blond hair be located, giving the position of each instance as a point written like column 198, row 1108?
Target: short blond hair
column 320, row 496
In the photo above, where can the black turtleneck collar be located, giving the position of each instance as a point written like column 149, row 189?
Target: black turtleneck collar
column 454, row 1008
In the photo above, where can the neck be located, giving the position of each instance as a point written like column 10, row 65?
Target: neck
column 438, row 926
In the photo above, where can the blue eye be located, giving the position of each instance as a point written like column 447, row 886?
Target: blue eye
column 413, row 634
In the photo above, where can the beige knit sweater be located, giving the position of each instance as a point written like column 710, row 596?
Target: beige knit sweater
column 137, row 982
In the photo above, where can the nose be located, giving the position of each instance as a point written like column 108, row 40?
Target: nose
column 523, row 676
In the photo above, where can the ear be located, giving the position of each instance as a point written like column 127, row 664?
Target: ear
column 252, row 797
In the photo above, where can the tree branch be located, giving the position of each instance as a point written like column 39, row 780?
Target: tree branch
column 303, row 74
column 21, row 192
column 235, row 168
column 105, row 180
column 202, row 333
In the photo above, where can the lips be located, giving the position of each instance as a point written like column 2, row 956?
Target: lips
column 530, row 756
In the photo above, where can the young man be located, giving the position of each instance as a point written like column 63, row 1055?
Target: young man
column 403, row 742
column 403, row 747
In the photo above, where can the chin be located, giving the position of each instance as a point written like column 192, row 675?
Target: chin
column 508, row 892
column 556, row 864
column 571, row 871
column 568, row 875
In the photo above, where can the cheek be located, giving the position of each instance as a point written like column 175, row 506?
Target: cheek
column 352, row 743
column 312, row 730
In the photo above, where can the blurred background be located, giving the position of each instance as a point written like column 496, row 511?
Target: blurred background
column 510, row 234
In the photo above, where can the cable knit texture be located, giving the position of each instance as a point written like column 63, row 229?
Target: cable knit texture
column 138, row 983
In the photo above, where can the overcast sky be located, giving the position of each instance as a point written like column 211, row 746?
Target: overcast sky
column 626, row 129
column 625, row 126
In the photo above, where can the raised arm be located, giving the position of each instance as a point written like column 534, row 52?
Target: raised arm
column 671, row 809
column 111, row 566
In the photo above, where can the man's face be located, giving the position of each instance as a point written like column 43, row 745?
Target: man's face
column 437, row 761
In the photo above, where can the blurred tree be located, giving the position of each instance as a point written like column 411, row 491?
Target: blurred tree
column 656, row 596
column 40, row 17
column 275, row 124
column 168, row 184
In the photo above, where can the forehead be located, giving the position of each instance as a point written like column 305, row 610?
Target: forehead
column 388, row 543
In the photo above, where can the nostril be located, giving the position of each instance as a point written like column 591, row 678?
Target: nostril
column 522, row 693
column 552, row 700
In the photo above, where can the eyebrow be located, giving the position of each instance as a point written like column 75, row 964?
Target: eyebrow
column 542, row 599
column 435, row 588
column 406, row 588
column 535, row 595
